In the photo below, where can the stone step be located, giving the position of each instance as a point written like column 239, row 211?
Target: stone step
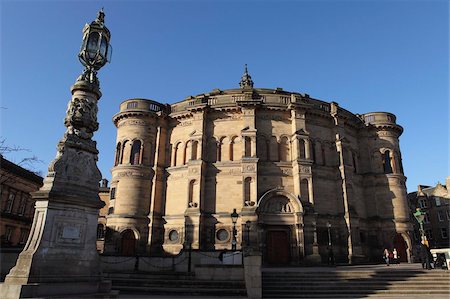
column 180, row 291
column 328, row 292
column 196, row 284
column 357, row 284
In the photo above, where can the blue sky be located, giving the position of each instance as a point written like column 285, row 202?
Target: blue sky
column 366, row 55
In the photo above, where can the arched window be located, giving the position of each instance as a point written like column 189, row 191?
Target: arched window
column 231, row 152
column 124, row 148
column 135, row 157
column 387, row 167
column 187, row 152
column 304, row 190
column 247, row 191
column 301, row 145
column 118, row 151
column 179, row 154
column 284, row 149
column 175, row 154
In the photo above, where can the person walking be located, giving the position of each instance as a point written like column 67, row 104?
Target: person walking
column 425, row 256
column 386, row 254
column 396, row 257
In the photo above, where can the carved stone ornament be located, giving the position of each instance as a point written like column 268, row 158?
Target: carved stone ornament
column 277, row 204
column 81, row 117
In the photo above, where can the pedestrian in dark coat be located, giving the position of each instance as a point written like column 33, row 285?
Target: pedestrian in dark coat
column 425, row 256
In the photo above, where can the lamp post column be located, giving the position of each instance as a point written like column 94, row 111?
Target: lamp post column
column 60, row 256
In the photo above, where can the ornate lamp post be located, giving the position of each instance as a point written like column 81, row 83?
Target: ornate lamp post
column 60, row 257
column 234, row 217
column 420, row 217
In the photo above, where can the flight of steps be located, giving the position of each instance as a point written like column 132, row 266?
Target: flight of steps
column 389, row 282
column 174, row 283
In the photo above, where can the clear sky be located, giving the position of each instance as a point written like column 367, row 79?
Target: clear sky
column 366, row 55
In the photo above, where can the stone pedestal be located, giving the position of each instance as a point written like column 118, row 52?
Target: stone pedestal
column 60, row 257
column 253, row 275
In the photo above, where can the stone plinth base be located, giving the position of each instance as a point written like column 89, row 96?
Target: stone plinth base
column 312, row 260
column 253, row 276
column 66, row 289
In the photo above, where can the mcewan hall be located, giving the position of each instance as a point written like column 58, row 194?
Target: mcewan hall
column 301, row 175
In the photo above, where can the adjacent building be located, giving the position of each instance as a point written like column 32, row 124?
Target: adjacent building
column 435, row 202
column 16, row 204
column 303, row 174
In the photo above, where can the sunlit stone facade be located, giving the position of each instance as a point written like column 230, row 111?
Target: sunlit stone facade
column 302, row 174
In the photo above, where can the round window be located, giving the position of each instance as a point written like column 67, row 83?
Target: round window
column 173, row 236
column 222, row 235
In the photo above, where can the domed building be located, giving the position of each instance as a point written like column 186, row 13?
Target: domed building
column 303, row 175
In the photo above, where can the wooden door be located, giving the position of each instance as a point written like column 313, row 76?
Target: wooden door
column 128, row 243
column 278, row 249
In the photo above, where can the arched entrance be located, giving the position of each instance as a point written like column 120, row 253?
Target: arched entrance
column 128, row 243
column 280, row 215
column 401, row 246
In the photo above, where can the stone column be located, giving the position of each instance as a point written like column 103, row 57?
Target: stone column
column 60, row 256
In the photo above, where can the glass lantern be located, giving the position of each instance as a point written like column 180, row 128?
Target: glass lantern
column 95, row 50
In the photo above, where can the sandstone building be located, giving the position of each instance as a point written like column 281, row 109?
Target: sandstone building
column 303, row 174
column 435, row 202
column 16, row 204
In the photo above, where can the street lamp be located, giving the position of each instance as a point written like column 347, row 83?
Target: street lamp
column 95, row 49
column 420, row 217
column 329, row 233
column 234, row 217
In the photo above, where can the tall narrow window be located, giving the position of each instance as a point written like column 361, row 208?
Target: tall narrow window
column 194, row 150
column 273, row 152
column 192, row 192
column 10, row 202
column 304, row 190
column 187, row 152
column 135, row 157
column 247, row 191
column 313, row 149
column 124, row 148
column 248, row 146
column 284, row 149
column 387, row 162
column 301, row 144
column 175, row 154
column 112, row 194
column 118, row 150
column 23, row 205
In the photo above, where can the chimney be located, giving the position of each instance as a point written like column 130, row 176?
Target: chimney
column 104, row 183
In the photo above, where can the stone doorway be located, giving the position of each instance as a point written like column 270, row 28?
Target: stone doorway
column 128, row 243
column 401, row 246
column 280, row 218
column 278, row 247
